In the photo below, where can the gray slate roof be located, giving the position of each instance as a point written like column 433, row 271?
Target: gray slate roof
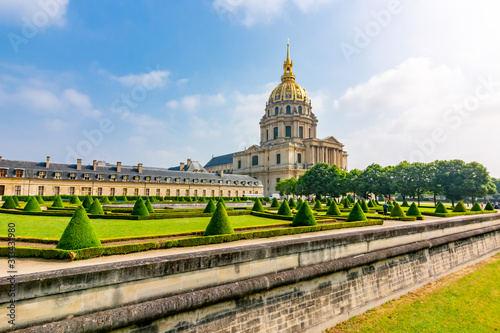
column 195, row 166
column 220, row 160
column 32, row 170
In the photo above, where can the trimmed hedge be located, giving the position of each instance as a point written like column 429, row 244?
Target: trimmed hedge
column 413, row 210
column 317, row 204
column 441, row 209
column 364, row 206
column 32, row 206
column 9, row 203
column 333, row 209
column 221, row 200
column 219, row 223
column 489, row 206
column 210, row 207
column 304, row 217
column 14, row 197
column 476, row 208
column 79, row 233
column 39, row 199
column 58, row 203
column 105, row 201
column 275, row 203
column 75, row 200
column 397, row 211
column 95, row 208
column 356, row 214
column 405, row 204
column 140, row 208
column 87, row 202
column 149, row 206
column 257, row 206
column 291, row 203
column 459, row 208
column 285, row 209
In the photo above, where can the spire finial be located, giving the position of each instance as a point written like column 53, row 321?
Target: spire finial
column 288, row 50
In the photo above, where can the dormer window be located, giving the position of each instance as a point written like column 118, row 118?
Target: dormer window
column 19, row 173
column 147, row 178
column 125, row 178
column 86, row 176
column 3, row 172
column 136, row 178
column 113, row 178
column 41, row 174
column 177, row 180
column 57, row 175
column 168, row 179
column 72, row 176
column 186, row 180
column 158, row 179
column 195, row 181
column 212, row 181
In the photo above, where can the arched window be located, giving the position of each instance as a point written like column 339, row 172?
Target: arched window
column 288, row 131
column 276, row 111
column 288, row 110
column 255, row 160
column 300, row 109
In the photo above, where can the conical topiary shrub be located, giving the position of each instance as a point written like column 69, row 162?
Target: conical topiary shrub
column 317, row 204
column 356, row 214
column 105, row 201
column 75, row 200
column 397, row 211
column 79, row 233
column 285, row 209
column 87, row 202
column 210, row 207
column 275, row 203
column 112, row 198
column 291, row 203
column 9, row 203
column 329, row 202
column 405, row 204
column 58, row 203
column 346, row 203
column 95, row 208
column 333, row 209
column 140, row 208
column 476, row 208
column 370, row 204
column 413, row 210
column 440, row 208
column 319, row 197
column 221, row 200
column 257, row 206
column 219, row 223
column 350, row 199
column 459, row 208
column 149, row 206
column 32, row 205
column 304, row 217
column 489, row 206
column 364, row 206
column 40, row 199
column 16, row 200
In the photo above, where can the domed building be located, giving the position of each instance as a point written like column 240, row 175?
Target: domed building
column 288, row 142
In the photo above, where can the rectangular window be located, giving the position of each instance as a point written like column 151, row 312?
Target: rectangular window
column 17, row 190
column 278, row 158
column 57, row 190
column 301, row 132
column 168, row 193
column 125, row 191
column 71, row 190
column 299, row 158
column 99, row 191
column 113, row 178
column 267, row 135
column 195, row 193
column 239, row 164
column 187, row 193
column 100, row 177
column 178, row 193
column 221, row 193
column 86, row 176
column 136, row 191
column 204, row 193
column 19, row 173
column 86, row 191
column 40, row 190
column 288, row 131
column 125, row 178
column 72, row 176
column 213, row 193
column 275, row 133
column 136, row 178
column 158, row 179
column 112, row 191
column 228, row 193
column 158, row 192
column 57, row 175
column 41, row 174
column 3, row 172
column 147, row 178
column 147, row 192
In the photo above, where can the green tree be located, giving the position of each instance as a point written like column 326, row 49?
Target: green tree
column 314, row 180
column 287, row 186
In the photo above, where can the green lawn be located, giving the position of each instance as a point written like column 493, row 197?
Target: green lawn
column 467, row 304
column 53, row 227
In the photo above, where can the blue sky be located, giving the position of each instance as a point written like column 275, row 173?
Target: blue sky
column 158, row 82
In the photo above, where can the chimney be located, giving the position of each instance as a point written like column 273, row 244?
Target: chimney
column 99, row 163
column 221, row 173
column 139, row 167
column 94, row 165
column 79, row 164
column 118, row 166
column 47, row 164
column 181, row 166
column 0, row 158
column 188, row 162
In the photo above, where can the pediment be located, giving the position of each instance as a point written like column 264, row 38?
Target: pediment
column 332, row 139
column 254, row 149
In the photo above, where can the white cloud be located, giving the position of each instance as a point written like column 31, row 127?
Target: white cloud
column 39, row 13
column 81, row 102
column 192, row 103
column 153, row 79
column 38, row 99
column 55, row 125
column 251, row 12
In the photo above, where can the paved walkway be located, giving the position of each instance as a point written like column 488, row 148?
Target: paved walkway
column 30, row 265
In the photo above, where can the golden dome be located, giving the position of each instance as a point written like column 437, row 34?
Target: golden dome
column 288, row 89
